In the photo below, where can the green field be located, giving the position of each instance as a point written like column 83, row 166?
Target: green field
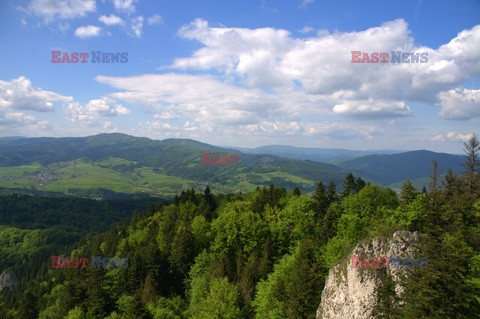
column 128, row 177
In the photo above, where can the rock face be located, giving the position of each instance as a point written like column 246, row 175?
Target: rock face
column 351, row 292
column 8, row 280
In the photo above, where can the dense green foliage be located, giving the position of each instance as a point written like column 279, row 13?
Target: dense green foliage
column 34, row 228
column 266, row 254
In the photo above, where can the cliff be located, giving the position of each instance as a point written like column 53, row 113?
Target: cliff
column 351, row 292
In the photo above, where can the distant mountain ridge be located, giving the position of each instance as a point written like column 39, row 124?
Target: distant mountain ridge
column 326, row 155
column 106, row 163
column 124, row 163
column 392, row 168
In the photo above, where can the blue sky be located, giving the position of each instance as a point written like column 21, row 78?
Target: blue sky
column 244, row 73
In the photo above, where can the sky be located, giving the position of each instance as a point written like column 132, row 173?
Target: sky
column 244, row 73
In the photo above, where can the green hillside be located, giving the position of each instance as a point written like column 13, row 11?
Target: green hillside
column 122, row 166
column 131, row 165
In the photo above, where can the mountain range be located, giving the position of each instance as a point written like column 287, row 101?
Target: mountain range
column 116, row 165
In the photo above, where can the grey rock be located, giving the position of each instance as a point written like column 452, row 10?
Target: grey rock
column 8, row 280
column 351, row 292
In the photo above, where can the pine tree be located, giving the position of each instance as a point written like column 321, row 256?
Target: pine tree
column 148, row 289
column 135, row 309
column 472, row 164
column 332, row 192
column 296, row 191
column 443, row 288
column 434, row 176
column 28, row 306
column 387, row 306
column 304, row 287
column 321, row 201
column 408, row 193
column 210, row 200
column 359, row 184
column 182, row 253
column 349, row 186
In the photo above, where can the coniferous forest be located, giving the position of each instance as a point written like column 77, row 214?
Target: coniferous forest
column 265, row 254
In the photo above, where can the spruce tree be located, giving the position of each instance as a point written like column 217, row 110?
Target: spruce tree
column 349, row 186
column 304, row 287
column 321, row 201
column 296, row 191
column 388, row 302
column 408, row 193
column 359, row 184
column 332, row 192
column 210, row 200
column 472, row 164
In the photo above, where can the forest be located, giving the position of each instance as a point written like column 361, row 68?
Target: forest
column 263, row 255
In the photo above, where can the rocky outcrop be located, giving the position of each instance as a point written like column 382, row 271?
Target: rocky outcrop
column 351, row 292
column 8, row 280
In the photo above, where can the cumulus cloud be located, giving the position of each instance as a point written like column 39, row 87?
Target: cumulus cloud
column 452, row 136
column 18, row 99
column 321, row 65
column 19, row 94
column 127, row 6
column 460, row 104
column 21, row 119
column 155, row 19
column 95, row 109
column 373, row 109
column 88, row 31
column 63, row 9
column 200, row 97
column 205, row 104
column 110, row 20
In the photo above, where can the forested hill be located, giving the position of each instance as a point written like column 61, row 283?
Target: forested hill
column 392, row 168
column 265, row 255
column 118, row 165
column 137, row 165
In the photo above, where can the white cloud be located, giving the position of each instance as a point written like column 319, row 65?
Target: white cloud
column 166, row 115
column 127, row 6
column 88, row 31
column 18, row 99
column 63, row 27
column 306, row 29
column 452, row 136
column 18, row 94
column 63, row 9
column 205, row 104
column 321, row 65
column 460, row 104
column 94, row 109
column 373, row 109
column 201, row 98
column 136, row 25
column 110, row 20
column 342, row 130
column 155, row 19
column 20, row 119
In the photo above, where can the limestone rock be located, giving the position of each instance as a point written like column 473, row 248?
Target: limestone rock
column 8, row 280
column 351, row 292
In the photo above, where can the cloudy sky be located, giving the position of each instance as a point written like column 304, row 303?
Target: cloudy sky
column 244, row 73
